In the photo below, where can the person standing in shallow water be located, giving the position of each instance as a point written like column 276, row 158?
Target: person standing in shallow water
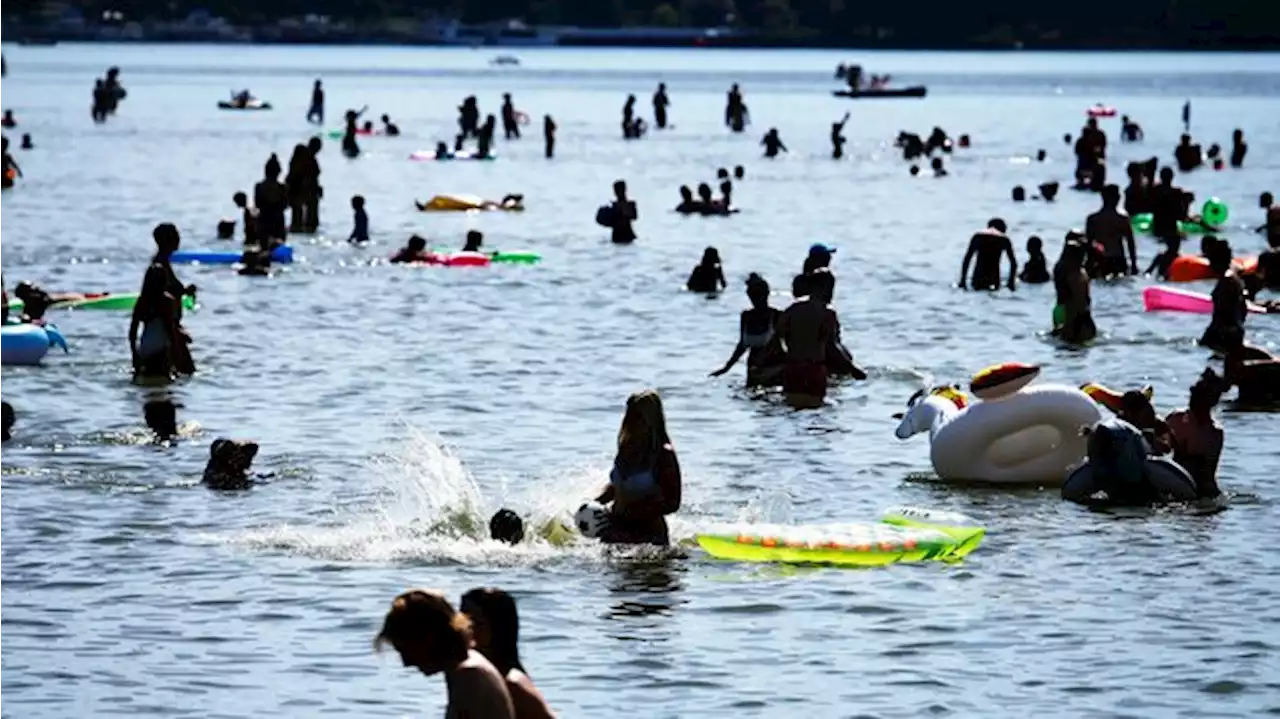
column 1071, row 284
column 510, row 124
column 772, row 143
column 735, row 110
column 315, row 115
column 838, row 138
column 757, row 338
column 349, row 146
column 549, row 136
column 623, row 213
column 645, row 485
column 431, row 637
column 660, row 104
column 806, row 329
column 495, row 627
column 271, row 197
column 628, row 118
column 988, row 245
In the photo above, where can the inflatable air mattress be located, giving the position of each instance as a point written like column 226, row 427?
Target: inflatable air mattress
column 280, row 255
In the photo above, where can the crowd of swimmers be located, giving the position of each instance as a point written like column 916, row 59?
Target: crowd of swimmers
column 705, row 203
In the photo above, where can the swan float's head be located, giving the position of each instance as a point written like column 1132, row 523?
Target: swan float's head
column 921, row 412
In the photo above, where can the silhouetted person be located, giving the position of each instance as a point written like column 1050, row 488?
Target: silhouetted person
column 510, row 125
column 468, row 118
column 549, row 135
column 772, row 143
column 484, row 140
column 735, row 110
column 628, row 118
column 1238, row 148
column 660, row 104
column 838, row 138
column 315, row 114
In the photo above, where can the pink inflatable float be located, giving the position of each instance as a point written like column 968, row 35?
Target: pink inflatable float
column 1172, row 299
column 459, row 259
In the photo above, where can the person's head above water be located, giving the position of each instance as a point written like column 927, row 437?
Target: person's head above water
column 1166, row 175
column 1135, row 408
column 417, row 243
column 1219, row 255
column 1035, row 245
column 722, row 174
column 475, row 238
column 686, row 194
column 386, row 118
column 711, row 257
column 643, row 431
column 997, row 224
column 757, row 290
column 314, row 145
column 1019, row 193
column 506, row 526
column 915, row 170
column 426, row 631
column 1111, row 197
column 368, row 126
column 704, row 192
column 1206, row 244
column 936, row 164
column 240, row 199
column 357, row 202
column 620, row 189
column 318, row 84
column 1206, row 393
column 1266, row 200
column 166, row 238
column 739, row 172
column 506, row 97
column 1048, row 191
column 1041, row 155
column 162, row 417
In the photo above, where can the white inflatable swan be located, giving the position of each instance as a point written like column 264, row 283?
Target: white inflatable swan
column 1028, row 437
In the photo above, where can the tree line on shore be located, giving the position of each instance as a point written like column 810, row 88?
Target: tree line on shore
column 995, row 23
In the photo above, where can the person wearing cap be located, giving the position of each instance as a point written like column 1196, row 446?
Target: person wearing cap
column 988, row 245
column 806, row 329
column 819, row 256
column 1071, row 283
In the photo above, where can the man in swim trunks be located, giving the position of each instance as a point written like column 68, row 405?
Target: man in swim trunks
column 989, row 244
column 806, row 328
column 1111, row 229
column 1197, row 436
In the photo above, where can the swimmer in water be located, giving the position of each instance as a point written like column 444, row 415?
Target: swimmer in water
column 162, row 350
column 1036, row 269
column 645, row 484
column 739, row 172
column 495, row 627
column 249, row 218
column 510, row 123
column 1238, row 148
column 315, row 114
column 1230, row 307
column 35, row 301
column 708, row 276
column 1168, row 207
column 1188, row 155
column 1197, row 437
column 1253, row 370
column 468, row 118
column 11, row 169
column 430, row 636
column 1071, row 285
column 1130, row 131
column 707, row 204
column 773, row 143
column 549, row 136
column 660, row 104
column 837, row 138
column 475, row 239
column 624, row 213
column 1019, row 194
column 1271, row 226
column 628, row 118
column 413, row 252
column 389, row 128
column 1113, row 231
column 757, row 338
column 360, row 222
column 1136, row 409
column 26, row 144
column 506, row 526
column 806, row 329
column 484, row 140
column 988, row 245
column 8, row 122
column 688, row 205
column 442, row 152
column 271, row 198
column 350, row 147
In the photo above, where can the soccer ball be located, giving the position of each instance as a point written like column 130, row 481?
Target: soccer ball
column 592, row 519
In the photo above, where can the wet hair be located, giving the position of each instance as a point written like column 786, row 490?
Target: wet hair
column 424, row 614
column 497, row 611
column 739, row 171
column 800, row 285
column 357, row 201
column 1034, row 243
column 643, row 431
column 1208, row 390
column 240, row 199
column 1019, row 193
column 915, row 170
column 995, row 223
column 505, row 526
column 417, row 243
column 711, row 256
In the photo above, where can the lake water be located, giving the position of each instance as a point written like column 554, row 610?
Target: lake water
column 387, row 399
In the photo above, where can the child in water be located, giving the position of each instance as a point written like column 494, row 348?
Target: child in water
column 414, row 251
column 11, row 169
column 707, row 277
column 360, row 228
column 773, row 143
column 475, row 239
column 1036, row 270
column 687, row 205
column 250, row 218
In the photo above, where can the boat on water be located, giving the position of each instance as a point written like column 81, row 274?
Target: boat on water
column 912, row 91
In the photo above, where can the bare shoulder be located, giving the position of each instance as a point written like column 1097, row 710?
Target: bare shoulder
column 528, row 701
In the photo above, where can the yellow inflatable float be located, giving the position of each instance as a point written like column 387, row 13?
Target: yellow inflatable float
column 471, row 203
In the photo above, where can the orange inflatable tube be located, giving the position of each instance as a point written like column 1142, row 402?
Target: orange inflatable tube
column 1190, row 268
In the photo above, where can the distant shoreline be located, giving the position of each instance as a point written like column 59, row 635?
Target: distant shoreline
column 752, row 42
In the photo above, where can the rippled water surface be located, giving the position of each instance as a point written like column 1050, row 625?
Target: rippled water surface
column 390, row 400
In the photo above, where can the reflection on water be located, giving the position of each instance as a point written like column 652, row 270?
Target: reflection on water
column 646, row 583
